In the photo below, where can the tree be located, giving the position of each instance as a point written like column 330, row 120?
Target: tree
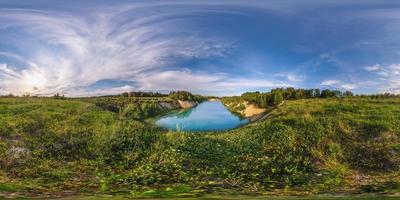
column 289, row 93
column 251, row 96
column 327, row 93
column 184, row 96
column 300, row 94
column 338, row 93
column 263, row 101
column 348, row 94
column 309, row 93
column 278, row 98
column 317, row 93
column 125, row 94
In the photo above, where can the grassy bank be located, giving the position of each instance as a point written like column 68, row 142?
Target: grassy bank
column 314, row 146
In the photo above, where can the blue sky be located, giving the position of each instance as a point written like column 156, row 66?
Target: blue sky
column 93, row 47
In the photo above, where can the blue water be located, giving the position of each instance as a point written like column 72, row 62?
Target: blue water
column 207, row 116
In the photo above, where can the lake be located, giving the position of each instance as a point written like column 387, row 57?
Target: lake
column 207, row 116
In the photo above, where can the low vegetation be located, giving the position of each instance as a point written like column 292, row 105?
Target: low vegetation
column 137, row 108
column 307, row 146
column 142, row 105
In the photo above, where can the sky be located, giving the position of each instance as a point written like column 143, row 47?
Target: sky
column 99, row 47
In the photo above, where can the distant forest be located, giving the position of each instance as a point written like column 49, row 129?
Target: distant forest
column 289, row 93
column 277, row 95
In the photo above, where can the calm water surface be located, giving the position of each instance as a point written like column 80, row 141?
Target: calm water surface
column 207, row 116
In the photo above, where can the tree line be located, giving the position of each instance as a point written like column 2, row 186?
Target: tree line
column 267, row 98
column 176, row 95
column 143, row 94
column 185, row 96
column 277, row 95
column 264, row 100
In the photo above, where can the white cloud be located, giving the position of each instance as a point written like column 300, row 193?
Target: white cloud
column 213, row 83
column 11, row 55
column 349, row 86
column 291, row 77
column 339, row 84
column 104, row 91
column 330, row 82
column 389, row 78
column 129, row 43
column 104, row 45
column 372, row 68
column 8, row 72
column 394, row 69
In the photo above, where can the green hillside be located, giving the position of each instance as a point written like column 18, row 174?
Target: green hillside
column 312, row 146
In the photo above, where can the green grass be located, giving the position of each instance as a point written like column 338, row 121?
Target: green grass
column 313, row 146
column 238, row 197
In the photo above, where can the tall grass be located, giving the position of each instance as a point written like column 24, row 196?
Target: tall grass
column 314, row 144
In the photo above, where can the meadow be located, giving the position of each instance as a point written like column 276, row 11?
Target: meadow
column 63, row 147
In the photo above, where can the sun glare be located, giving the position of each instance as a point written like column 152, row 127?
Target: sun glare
column 34, row 81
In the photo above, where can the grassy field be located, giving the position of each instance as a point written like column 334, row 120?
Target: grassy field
column 64, row 147
column 241, row 197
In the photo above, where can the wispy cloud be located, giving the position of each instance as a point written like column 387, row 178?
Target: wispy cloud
column 137, row 43
column 373, row 68
column 212, row 83
column 291, row 77
column 330, row 82
column 118, row 43
column 339, row 84
column 389, row 77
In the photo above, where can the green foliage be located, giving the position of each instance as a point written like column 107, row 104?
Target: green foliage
column 142, row 94
column 7, row 187
column 137, row 108
column 278, row 98
column 61, row 144
column 175, row 191
column 373, row 155
column 185, row 96
column 131, row 142
column 142, row 105
column 382, row 187
column 141, row 111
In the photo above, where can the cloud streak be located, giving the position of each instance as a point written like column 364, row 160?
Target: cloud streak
column 388, row 77
column 204, row 82
column 123, row 43
column 339, row 84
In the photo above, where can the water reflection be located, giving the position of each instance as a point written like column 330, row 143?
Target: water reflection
column 207, row 116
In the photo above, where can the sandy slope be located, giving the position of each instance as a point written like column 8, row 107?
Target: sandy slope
column 187, row 104
column 252, row 110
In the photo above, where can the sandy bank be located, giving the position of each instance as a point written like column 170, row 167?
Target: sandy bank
column 187, row 104
column 252, row 109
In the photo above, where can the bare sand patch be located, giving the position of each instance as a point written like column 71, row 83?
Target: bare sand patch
column 187, row 104
column 252, row 110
